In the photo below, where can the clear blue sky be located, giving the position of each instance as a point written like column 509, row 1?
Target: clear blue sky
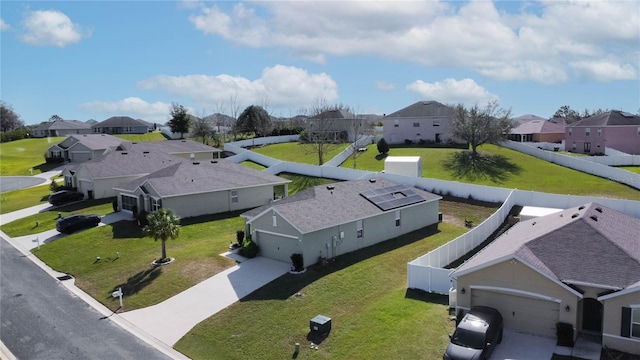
column 95, row 59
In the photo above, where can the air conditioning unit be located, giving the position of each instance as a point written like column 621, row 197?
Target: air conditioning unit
column 320, row 324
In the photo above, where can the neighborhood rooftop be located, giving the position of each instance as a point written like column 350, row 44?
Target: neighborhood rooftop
column 609, row 118
column 423, row 108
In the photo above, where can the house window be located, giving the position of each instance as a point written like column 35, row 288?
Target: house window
column 397, row 217
column 570, row 131
column 416, row 124
column 635, row 322
column 436, row 122
column 155, row 204
column 359, row 229
column 587, row 132
column 234, row 196
column 599, row 131
column 395, row 123
column 274, row 220
column 638, row 130
column 573, row 146
column 129, row 202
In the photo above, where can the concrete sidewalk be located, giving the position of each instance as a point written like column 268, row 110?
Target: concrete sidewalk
column 173, row 318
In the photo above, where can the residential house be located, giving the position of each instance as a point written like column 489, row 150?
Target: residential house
column 61, row 128
column 79, row 148
column 192, row 188
column 579, row 266
column 525, row 118
column 122, row 125
column 423, row 121
column 614, row 129
column 538, row 131
column 128, row 161
column 330, row 220
column 338, row 126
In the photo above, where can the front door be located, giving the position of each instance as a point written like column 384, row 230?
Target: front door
column 438, row 139
column 587, row 147
column 591, row 315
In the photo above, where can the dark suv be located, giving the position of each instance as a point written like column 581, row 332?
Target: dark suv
column 65, row 196
column 476, row 335
column 76, row 222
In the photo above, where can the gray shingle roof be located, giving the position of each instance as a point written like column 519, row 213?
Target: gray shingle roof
column 97, row 141
column 587, row 244
column 318, row 207
column 64, row 125
column 117, row 121
column 609, row 118
column 334, row 114
column 186, row 177
column 169, row 146
column 424, row 109
column 538, row 127
column 123, row 163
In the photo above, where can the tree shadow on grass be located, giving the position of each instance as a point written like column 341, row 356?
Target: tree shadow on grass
column 497, row 168
column 381, row 156
column 289, row 284
column 139, row 281
column 126, row 229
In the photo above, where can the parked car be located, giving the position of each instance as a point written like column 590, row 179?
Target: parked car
column 476, row 335
column 65, row 196
column 71, row 223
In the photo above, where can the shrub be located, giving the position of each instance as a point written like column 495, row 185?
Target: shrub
column 564, row 333
column 383, row 147
column 142, row 218
column 297, row 261
column 53, row 186
column 240, row 236
column 249, row 249
column 115, row 205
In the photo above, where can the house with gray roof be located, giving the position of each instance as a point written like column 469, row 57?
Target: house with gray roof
column 122, row 125
column 423, row 121
column 79, row 148
column 192, row 188
column 62, row 128
column 613, row 129
column 337, row 126
column 538, row 131
column 331, row 220
column 579, row 266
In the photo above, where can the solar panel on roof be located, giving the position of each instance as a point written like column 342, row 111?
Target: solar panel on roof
column 392, row 197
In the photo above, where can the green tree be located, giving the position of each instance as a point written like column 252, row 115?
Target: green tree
column 180, row 120
column 382, row 145
column 201, row 127
column 478, row 126
column 568, row 114
column 9, row 120
column 254, row 119
column 163, row 224
column 54, row 118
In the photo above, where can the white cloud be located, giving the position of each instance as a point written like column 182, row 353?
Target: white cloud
column 3, row 25
column 279, row 86
column 451, row 91
column 51, row 28
column 131, row 106
column 535, row 43
column 605, row 70
column 386, row 86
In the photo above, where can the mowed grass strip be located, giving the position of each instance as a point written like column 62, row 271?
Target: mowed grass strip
column 47, row 219
column 196, row 251
column 24, row 198
column 533, row 174
column 17, row 157
column 373, row 314
column 296, row 152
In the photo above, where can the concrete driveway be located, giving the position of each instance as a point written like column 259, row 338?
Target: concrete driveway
column 521, row 346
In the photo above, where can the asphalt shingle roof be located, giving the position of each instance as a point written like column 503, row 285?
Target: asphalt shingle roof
column 587, row 244
column 64, row 125
column 538, row 127
column 97, row 141
column 117, row 121
column 319, row 207
column 424, row 109
column 609, row 118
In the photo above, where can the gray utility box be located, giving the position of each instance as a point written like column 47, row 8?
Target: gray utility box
column 321, row 324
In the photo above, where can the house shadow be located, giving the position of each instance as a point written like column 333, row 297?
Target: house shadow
column 497, row 168
column 285, row 286
column 138, row 281
column 125, row 229
column 420, row 295
column 211, row 217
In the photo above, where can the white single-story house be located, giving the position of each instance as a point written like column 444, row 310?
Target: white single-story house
column 122, row 125
column 330, row 220
column 192, row 188
column 579, row 266
column 128, row 161
column 423, row 121
column 79, row 148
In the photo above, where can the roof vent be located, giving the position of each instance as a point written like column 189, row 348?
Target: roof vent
column 196, row 163
column 599, row 209
column 124, row 153
column 214, row 161
column 184, row 140
column 533, row 223
column 594, row 218
column 330, row 187
column 574, row 216
column 145, row 152
column 372, row 180
column 581, row 207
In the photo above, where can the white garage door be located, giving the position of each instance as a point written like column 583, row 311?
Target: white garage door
column 521, row 313
column 277, row 247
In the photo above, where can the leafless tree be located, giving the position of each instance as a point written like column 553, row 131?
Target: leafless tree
column 479, row 126
column 320, row 136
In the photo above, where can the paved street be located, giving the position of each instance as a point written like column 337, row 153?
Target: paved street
column 41, row 319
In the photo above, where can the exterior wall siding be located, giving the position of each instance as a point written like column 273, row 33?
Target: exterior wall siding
column 621, row 138
column 406, row 131
column 218, row 201
column 103, row 188
column 611, row 323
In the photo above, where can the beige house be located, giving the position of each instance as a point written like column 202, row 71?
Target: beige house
column 79, row 148
column 331, row 220
column 580, row 266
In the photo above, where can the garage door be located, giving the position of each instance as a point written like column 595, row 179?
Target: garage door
column 80, row 156
column 276, row 246
column 521, row 313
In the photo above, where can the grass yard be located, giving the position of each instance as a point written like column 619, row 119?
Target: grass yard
column 196, row 250
column 633, row 169
column 373, row 314
column 47, row 219
column 24, row 198
column 253, row 165
column 150, row 136
column 530, row 173
column 17, row 157
column 296, row 152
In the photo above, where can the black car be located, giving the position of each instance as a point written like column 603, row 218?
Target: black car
column 76, row 222
column 65, row 196
column 476, row 335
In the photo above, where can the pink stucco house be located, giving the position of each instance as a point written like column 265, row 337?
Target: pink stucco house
column 613, row 129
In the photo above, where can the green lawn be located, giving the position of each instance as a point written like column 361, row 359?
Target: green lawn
column 17, row 157
column 296, row 152
column 531, row 173
column 373, row 314
column 24, row 198
column 47, row 219
column 634, row 169
column 150, row 136
column 196, row 250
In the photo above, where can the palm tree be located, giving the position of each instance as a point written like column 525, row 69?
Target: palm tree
column 163, row 224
